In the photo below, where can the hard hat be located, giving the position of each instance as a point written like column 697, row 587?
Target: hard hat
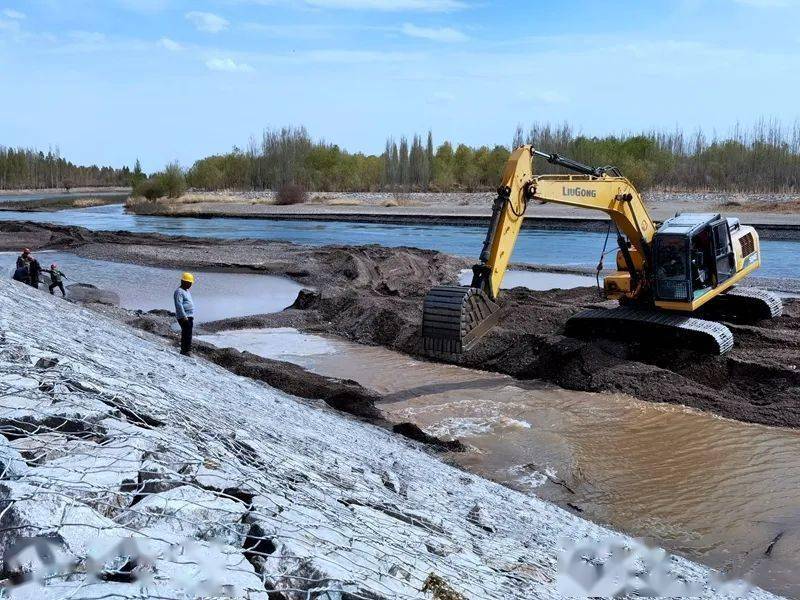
column 188, row 277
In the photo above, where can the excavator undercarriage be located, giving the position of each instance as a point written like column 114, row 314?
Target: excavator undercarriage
column 675, row 282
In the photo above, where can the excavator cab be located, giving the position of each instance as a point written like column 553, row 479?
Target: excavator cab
column 692, row 255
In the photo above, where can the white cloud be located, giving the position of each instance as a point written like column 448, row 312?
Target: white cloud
column 13, row 14
column 169, row 44
column 229, row 65
column 208, row 22
column 435, row 34
column 391, row 5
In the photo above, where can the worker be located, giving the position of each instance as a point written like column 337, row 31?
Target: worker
column 184, row 312
column 24, row 258
column 34, row 270
column 56, row 279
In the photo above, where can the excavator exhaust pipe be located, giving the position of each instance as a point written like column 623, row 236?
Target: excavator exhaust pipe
column 454, row 318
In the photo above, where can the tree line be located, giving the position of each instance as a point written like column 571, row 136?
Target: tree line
column 762, row 158
column 765, row 158
column 27, row 168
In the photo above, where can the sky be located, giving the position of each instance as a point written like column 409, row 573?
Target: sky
column 108, row 81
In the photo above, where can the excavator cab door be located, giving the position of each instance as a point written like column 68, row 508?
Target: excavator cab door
column 723, row 251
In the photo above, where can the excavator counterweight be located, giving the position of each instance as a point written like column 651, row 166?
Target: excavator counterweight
column 668, row 277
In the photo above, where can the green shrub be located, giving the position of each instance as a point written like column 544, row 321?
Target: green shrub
column 152, row 188
column 172, row 180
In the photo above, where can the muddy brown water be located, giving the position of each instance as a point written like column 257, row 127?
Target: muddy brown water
column 715, row 490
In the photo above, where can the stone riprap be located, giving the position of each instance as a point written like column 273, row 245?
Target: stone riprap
column 131, row 471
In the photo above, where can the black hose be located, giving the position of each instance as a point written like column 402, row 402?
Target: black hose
column 602, row 256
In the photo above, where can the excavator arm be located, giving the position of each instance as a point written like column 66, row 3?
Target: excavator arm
column 593, row 188
column 456, row 317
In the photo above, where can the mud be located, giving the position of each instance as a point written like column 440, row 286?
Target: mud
column 373, row 295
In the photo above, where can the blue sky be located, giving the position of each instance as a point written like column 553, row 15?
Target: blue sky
column 110, row 80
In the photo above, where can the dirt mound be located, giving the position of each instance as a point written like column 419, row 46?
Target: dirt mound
column 758, row 381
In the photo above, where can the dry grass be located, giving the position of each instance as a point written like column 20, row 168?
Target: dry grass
column 89, row 202
column 398, row 200
column 343, row 202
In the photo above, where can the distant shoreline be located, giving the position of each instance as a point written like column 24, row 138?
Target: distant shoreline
column 61, row 190
column 776, row 216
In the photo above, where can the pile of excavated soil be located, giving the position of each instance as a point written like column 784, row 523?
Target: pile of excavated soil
column 373, row 295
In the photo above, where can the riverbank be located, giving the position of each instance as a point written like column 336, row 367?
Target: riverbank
column 373, row 295
column 64, row 202
column 59, row 191
column 777, row 216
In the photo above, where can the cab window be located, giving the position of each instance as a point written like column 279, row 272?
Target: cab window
column 671, row 258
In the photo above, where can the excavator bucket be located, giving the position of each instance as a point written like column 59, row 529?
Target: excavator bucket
column 454, row 318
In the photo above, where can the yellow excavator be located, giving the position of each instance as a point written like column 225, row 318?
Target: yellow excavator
column 667, row 276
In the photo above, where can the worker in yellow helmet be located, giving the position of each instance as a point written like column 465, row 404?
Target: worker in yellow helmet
column 184, row 312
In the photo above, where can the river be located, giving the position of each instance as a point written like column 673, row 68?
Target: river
column 565, row 248
column 216, row 295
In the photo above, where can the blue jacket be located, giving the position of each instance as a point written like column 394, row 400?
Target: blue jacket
column 184, row 307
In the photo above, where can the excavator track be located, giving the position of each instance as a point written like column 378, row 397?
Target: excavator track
column 658, row 327
column 748, row 304
column 454, row 318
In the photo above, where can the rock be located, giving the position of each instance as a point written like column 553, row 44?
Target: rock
column 104, row 478
column 480, row 517
column 192, row 513
column 412, row 431
column 44, row 447
column 46, row 363
column 392, row 482
column 201, row 569
column 12, row 465
column 306, row 299
column 155, row 478
column 84, row 292
column 29, row 511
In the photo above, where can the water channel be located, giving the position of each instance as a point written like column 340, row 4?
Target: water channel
column 566, row 248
